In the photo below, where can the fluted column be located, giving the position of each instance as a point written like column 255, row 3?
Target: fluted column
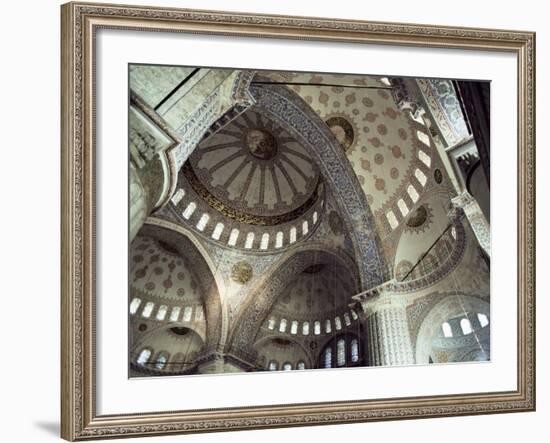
column 388, row 336
column 476, row 218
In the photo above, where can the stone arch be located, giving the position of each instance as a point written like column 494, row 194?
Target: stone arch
column 159, row 340
column 260, row 299
column 211, row 282
column 296, row 116
column 449, row 306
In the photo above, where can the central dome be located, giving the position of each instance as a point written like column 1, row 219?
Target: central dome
column 261, row 143
column 255, row 169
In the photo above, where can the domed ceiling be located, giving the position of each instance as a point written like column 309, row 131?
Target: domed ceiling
column 255, row 168
column 158, row 270
column 384, row 145
column 319, row 292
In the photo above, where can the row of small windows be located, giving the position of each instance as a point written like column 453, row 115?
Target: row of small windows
column 420, row 176
column 304, row 228
column 465, row 325
column 274, row 366
column 341, row 353
column 327, row 326
column 161, row 361
column 177, row 313
column 402, row 204
column 144, row 359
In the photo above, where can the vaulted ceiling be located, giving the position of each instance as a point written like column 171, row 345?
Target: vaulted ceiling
column 254, row 166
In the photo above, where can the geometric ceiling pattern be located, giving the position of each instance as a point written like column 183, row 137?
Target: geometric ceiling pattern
column 389, row 150
column 254, row 166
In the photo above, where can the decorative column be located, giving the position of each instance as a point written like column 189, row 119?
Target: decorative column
column 476, row 218
column 388, row 336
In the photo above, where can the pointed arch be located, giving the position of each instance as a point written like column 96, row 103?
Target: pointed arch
column 446, row 308
column 291, row 112
column 211, row 282
column 260, row 299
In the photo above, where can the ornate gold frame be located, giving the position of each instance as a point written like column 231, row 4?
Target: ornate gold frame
column 79, row 420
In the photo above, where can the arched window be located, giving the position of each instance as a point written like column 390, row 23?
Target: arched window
column 162, row 359
column 347, row 320
column 447, row 331
column 148, row 309
column 265, row 241
column 338, row 323
column 483, row 320
column 294, row 327
column 292, row 235
column 287, row 366
column 466, row 326
column 315, row 217
column 402, row 207
column 233, row 236
column 282, row 325
column 279, row 240
column 143, row 357
column 249, row 240
column 189, row 210
column 301, row 365
column 305, row 328
column 341, row 352
column 328, row 326
column 413, row 193
column 305, row 227
column 187, row 313
column 424, row 158
column 392, row 219
column 271, row 323
column 354, row 314
column 216, row 234
column 273, row 366
column 420, row 176
column 134, row 305
column 423, row 137
column 327, row 358
column 354, row 350
column 317, row 327
column 203, row 221
column 178, row 195
column 161, row 313
column 175, row 314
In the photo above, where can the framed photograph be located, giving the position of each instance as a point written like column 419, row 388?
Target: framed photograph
column 282, row 221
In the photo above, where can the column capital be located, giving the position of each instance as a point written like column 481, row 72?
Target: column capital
column 463, row 200
column 372, row 299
